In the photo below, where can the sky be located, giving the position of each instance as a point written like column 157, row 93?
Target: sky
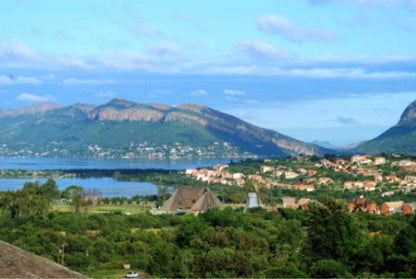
column 340, row 71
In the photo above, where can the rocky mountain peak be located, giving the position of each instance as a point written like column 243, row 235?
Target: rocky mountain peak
column 409, row 114
column 121, row 103
column 36, row 108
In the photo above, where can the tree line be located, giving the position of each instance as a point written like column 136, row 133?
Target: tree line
column 324, row 241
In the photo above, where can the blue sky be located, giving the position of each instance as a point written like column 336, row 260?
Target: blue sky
column 339, row 71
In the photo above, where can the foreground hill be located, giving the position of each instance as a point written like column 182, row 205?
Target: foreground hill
column 400, row 138
column 124, row 129
column 17, row 263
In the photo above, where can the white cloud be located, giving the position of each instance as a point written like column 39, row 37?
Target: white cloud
column 259, row 49
column 368, row 3
column 34, row 98
column 76, row 81
column 15, row 50
column 199, row 92
column 279, row 25
column 8, row 80
column 166, row 49
column 345, row 73
column 251, row 57
column 233, row 92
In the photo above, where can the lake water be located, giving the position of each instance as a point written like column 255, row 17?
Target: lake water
column 68, row 163
column 108, row 186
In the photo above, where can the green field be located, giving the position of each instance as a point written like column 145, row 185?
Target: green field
column 124, row 208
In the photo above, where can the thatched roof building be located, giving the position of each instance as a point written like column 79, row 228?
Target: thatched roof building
column 193, row 199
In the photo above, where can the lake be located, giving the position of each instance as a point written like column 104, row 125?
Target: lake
column 69, row 163
column 107, row 186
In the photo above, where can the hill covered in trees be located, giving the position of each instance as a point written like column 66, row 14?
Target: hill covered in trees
column 124, row 129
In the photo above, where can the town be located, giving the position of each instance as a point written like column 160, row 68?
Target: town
column 383, row 176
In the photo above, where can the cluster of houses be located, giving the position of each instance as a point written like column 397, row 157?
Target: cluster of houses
column 386, row 208
column 360, row 204
column 358, row 166
column 367, row 167
column 366, row 171
column 219, row 174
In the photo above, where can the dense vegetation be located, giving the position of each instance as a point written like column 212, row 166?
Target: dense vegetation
column 325, row 241
column 124, row 129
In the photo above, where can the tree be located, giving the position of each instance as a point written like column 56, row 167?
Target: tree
column 26, row 202
column 75, row 196
column 329, row 269
column 332, row 232
column 49, row 190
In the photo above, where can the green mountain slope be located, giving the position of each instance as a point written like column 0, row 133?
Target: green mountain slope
column 124, row 129
column 400, row 138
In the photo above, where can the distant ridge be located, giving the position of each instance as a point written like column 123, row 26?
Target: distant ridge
column 17, row 263
column 401, row 138
column 125, row 129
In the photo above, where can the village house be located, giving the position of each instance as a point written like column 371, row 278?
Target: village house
column 389, row 208
column 219, row 167
column 407, row 186
column 340, row 163
column 361, row 204
column 303, row 203
column 392, row 178
column 265, row 169
column 387, row 194
column 284, row 186
column 409, row 208
column 379, row 161
column 369, row 186
column 190, row 171
column 291, row 174
column 312, row 172
column 307, row 188
column 410, row 178
column 289, row 202
column 303, row 171
column 348, row 185
column 325, row 163
column 238, row 175
column 361, row 159
column 278, row 173
column 325, row 180
column 403, row 163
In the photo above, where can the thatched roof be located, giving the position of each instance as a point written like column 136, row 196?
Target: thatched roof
column 195, row 199
column 207, row 201
column 17, row 263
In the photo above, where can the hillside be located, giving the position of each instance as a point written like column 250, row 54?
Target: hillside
column 400, row 138
column 124, row 129
column 17, row 263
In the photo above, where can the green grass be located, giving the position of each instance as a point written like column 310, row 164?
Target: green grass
column 115, row 273
column 124, row 208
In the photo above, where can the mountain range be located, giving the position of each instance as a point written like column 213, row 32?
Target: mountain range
column 401, row 138
column 125, row 129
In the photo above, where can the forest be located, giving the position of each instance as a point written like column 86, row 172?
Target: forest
column 324, row 241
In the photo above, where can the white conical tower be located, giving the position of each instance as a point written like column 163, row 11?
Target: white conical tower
column 252, row 201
